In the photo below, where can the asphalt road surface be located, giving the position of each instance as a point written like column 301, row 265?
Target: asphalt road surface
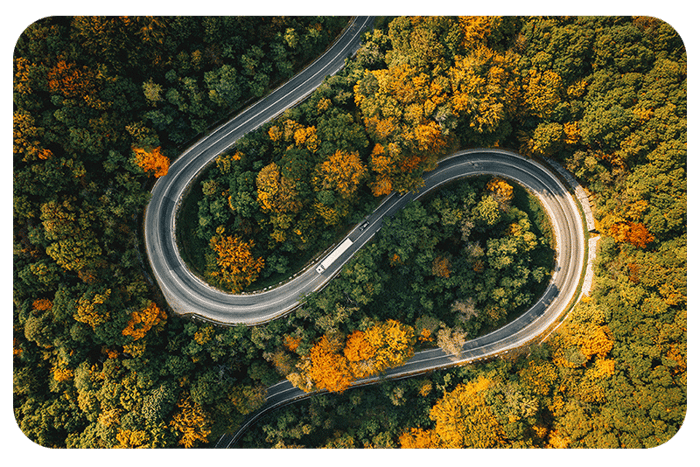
column 188, row 295
column 570, row 240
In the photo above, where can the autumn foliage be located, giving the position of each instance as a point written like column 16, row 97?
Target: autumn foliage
column 70, row 80
column 276, row 192
column 329, row 369
column 92, row 309
column 631, row 232
column 238, row 268
column 342, row 172
column 333, row 366
column 152, row 161
column 191, row 422
column 418, row 438
column 463, row 418
column 141, row 321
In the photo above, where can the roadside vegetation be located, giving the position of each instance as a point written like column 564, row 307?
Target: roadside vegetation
column 102, row 104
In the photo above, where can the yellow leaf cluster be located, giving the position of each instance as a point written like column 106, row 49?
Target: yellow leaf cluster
column 463, row 418
column 26, row 138
column 130, row 439
column 306, row 137
column 475, row 30
column 276, row 193
column 572, row 132
column 62, row 374
column 22, row 79
column 539, row 376
column 141, row 321
column 543, row 92
column 501, row 189
column 135, row 349
column 90, row 310
column 342, row 172
column 275, row 133
column 204, row 335
column 418, row 438
column 191, row 422
column 238, row 268
column 225, row 161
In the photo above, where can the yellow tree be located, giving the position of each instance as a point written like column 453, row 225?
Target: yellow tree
column 342, row 172
column 141, row 321
column 399, row 107
column 238, row 268
column 475, row 30
column 463, row 418
column 276, row 193
column 27, row 138
column 418, row 438
column 191, row 422
column 92, row 308
column 543, row 93
column 485, row 89
column 329, row 368
column 393, row 343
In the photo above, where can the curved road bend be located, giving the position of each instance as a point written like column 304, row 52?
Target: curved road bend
column 185, row 293
column 570, row 240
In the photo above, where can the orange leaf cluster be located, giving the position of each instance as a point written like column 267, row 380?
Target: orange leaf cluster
column 333, row 366
column 152, row 160
column 418, row 438
column 238, row 268
column 291, row 343
column 631, row 232
column 329, row 369
column 142, row 321
column 70, row 81
column 42, row 304
column 425, row 335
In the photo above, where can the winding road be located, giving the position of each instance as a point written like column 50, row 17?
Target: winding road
column 189, row 295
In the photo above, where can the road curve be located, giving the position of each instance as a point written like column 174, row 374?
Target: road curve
column 189, row 295
column 185, row 293
column 568, row 229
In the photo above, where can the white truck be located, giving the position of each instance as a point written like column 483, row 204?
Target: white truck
column 335, row 254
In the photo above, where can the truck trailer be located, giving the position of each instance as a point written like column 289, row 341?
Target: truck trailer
column 335, row 254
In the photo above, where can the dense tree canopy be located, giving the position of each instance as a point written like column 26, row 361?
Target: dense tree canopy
column 607, row 98
column 101, row 106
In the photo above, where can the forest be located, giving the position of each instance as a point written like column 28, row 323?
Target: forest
column 101, row 107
